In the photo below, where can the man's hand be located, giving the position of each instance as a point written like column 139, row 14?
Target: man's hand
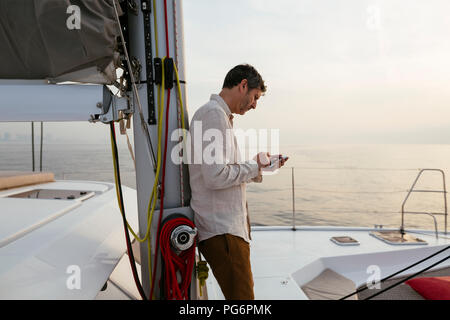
column 276, row 162
column 263, row 159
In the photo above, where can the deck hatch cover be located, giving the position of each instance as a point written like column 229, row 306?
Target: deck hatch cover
column 397, row 238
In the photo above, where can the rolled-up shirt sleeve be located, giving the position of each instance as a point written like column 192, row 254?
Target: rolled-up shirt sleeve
column 219, row 168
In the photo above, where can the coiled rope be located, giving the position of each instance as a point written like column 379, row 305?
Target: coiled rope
column 176, row 265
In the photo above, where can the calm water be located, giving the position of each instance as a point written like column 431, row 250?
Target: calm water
column 359, row 185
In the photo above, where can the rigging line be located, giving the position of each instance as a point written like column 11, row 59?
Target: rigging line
column 161, row 208
column 362, row 192
column 42, row 143
column 154, row 194
column 156, row 28
column 346, row 211
column 151, row 154
column 407, row 278
column 180, row 116
column 175, row 34
column 32, row 143
column 164, row 160
column 144, row 126
column 122, row 210
column 166, row 25
column 365, row 287
column 150, row 217
column 181, row 124
column 351, row 168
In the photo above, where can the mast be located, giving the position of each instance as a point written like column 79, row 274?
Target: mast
column 155, row 34
column 150, row 34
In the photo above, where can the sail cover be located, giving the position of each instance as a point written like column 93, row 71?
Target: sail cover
column 58, row 40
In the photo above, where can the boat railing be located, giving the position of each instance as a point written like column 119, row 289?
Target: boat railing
column 403, row 212
column 293, row 189
column 432, row 214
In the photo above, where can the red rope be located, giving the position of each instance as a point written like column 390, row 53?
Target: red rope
column 161, row 207
column 167, row 28
column 127, row 236
column 176, row 266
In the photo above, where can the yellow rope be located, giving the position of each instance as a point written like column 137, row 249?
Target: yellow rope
column 115, row 174
column 180, row 97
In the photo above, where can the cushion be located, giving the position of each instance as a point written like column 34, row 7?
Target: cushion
column 16, row 179
column 329, row 285
column 431, row 288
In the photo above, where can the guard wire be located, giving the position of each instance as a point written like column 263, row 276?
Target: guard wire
column 365, row 287
column 407, row 278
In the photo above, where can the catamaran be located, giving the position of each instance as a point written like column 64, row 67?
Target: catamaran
column 109, row 62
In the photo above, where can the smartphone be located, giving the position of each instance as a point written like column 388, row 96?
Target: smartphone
column 274, row 162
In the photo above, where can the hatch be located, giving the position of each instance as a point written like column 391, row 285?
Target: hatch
column 56, row 194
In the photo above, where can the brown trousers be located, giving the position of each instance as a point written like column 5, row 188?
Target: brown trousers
column 229, row 258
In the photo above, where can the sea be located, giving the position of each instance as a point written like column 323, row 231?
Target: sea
column 320, row 185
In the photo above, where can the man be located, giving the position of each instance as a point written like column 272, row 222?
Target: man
column 219, row 187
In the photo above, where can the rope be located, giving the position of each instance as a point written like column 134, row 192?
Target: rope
column 180, row 116
column 122, row 210
column 155, row 23
column 181, row 124
column 32, row 144
column 174, row 264
column 352, row 168
column 42, row 143
column 156, row 162
column 165, row 157
column 357, row 192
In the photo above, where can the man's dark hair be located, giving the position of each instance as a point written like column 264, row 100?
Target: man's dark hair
column 241, row 72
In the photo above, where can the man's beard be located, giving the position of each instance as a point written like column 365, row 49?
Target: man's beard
column 244, row 104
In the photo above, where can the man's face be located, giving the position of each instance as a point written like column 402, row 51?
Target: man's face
column 249, row 100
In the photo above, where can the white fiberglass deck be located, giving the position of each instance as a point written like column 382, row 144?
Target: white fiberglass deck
column 284, row 260
column 44, row 241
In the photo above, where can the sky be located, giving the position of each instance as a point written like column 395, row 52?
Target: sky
column 337, row 71
column 349, row 71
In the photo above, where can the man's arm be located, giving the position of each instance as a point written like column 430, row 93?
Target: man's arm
column 218, row 169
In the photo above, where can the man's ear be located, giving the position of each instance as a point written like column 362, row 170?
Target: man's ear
column 243, row 85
